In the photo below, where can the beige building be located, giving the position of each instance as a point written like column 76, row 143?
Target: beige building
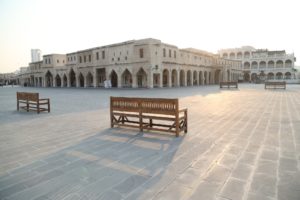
column 144, row 63
column 260, row 65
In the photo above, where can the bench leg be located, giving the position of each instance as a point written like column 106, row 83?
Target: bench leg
column 186, row 122
column 38, row 108
column 141, row 122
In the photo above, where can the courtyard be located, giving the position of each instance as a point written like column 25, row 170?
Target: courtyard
column 242, row 144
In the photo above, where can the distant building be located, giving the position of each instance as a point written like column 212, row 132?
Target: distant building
column 36, row 55
column 136, row 63
column 261, row 65
column 8, row 79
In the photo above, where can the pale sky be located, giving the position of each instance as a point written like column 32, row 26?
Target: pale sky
column 64, row 26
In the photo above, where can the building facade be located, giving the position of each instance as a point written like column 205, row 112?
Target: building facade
column 145, row 63
column 261, row 65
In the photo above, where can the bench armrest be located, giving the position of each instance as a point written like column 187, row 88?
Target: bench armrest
column 183, row 110
column 44, row 99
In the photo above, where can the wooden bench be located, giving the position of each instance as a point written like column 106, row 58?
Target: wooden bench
column 275, row 85
column 148, row 114
column 31, row 101
column 229, row 84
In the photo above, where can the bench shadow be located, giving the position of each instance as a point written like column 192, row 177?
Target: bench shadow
column 114, row 163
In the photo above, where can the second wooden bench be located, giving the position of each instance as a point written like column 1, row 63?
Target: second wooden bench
column 228, row 84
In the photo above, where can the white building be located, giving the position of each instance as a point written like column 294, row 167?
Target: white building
column 136, row 63
column 36, row 55
column 260, row 65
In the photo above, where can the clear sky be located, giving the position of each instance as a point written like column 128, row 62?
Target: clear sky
column 64, row 26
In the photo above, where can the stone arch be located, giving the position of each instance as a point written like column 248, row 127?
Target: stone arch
column 205, row 78
column 247, row 54
column 254, row 77
column 279, row 76
column 64, row 81
column 200, row 78
column 209, row 78
column 126, row 78
column 195, row 78
column 166, row 78
column 217, row 76
column 287, row 75
column 279, row 64
column 174, row 78
column 72, row 78
column 262, row 65
column 271, row 64
column 189, row 78
column 288, row 63
column 141, row 77
column 81, row 79
column 239, row 55
column 232, row 55
column 270, row 76
column 58, row 80
column 247, row 65
column 254, row 65
column 247, row 77
column 113, row 78
column 182, row 77
column 262, row 75
column 225, row 55
column 89, row 80
column 48, row 79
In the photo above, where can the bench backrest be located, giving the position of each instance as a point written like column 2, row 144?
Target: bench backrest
column 159, row 106
column 124, row 104
column 275, row 83
column 28, row 96
column 228, row 82
column 145, row 105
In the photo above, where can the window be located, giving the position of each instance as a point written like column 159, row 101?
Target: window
column 46, row 61
column 49, row 61
column 170, row 52
column 112, row 59
column 118, row 59
column 103, row 54
column 63, row 61
column 84, row 58
column 125, row 57
column 164, row 52
column 90, row 58
column 57, row 61
column 97, row 55
column 141, row 53
column 74, row 58
column 174, row 54
column 80, row 59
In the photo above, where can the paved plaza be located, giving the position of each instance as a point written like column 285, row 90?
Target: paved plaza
column 241, row 145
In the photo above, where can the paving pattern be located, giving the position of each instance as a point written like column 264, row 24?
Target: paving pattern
column 241, row 145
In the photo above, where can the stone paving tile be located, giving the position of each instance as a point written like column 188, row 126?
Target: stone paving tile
column 241, row 144
column 234, row 189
